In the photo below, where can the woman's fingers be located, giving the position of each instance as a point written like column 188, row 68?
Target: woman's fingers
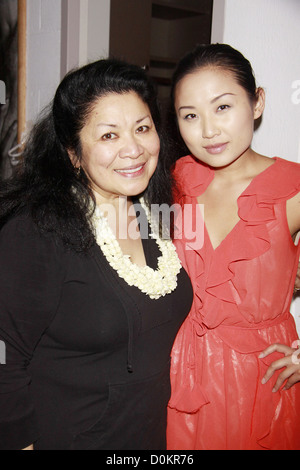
column 281, row 348
column 290, row 363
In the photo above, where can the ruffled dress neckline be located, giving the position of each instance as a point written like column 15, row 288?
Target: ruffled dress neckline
column 250, row 237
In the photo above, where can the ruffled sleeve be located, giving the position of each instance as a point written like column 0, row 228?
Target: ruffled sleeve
column 192, row 178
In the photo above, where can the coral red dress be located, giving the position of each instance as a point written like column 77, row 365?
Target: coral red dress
column 243, row 290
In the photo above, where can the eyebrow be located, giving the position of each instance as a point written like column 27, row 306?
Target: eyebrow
column 142, row 119
column 105, row 124
column 212, row 101
column 186, row 107
column 221, row 96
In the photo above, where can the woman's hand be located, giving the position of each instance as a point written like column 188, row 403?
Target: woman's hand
column 291, row 363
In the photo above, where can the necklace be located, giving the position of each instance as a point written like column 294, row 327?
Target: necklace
column 154, row 283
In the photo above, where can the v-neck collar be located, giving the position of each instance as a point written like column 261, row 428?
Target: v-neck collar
column 207, row 176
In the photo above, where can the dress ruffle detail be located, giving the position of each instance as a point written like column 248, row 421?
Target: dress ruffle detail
column 249, row 239
column 221, row 303
column 189, row 399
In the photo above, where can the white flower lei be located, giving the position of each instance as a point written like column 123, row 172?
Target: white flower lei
column 154, row 283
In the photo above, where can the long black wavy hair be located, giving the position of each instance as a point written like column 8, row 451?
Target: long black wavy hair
column 47, row 185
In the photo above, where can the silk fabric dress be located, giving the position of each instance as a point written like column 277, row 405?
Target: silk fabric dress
column 242, row 295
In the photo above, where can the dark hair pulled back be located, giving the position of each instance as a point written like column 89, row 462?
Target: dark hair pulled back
column 222, row 56
column 217, row 55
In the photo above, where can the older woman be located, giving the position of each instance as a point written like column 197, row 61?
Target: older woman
column 90, row 303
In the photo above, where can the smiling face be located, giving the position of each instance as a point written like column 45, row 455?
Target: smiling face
column 120, row 146
column 215, row 115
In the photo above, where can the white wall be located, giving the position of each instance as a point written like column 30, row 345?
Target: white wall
column 98, row 29
column 51, row 51
column 43, row 54
column 267, row 33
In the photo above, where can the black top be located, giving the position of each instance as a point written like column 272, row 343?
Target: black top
column 87, row 356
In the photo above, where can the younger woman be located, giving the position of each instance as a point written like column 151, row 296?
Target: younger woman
column 228, row 390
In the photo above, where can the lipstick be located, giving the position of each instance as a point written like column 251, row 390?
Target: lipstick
column 216, row 148
column 132, row 172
